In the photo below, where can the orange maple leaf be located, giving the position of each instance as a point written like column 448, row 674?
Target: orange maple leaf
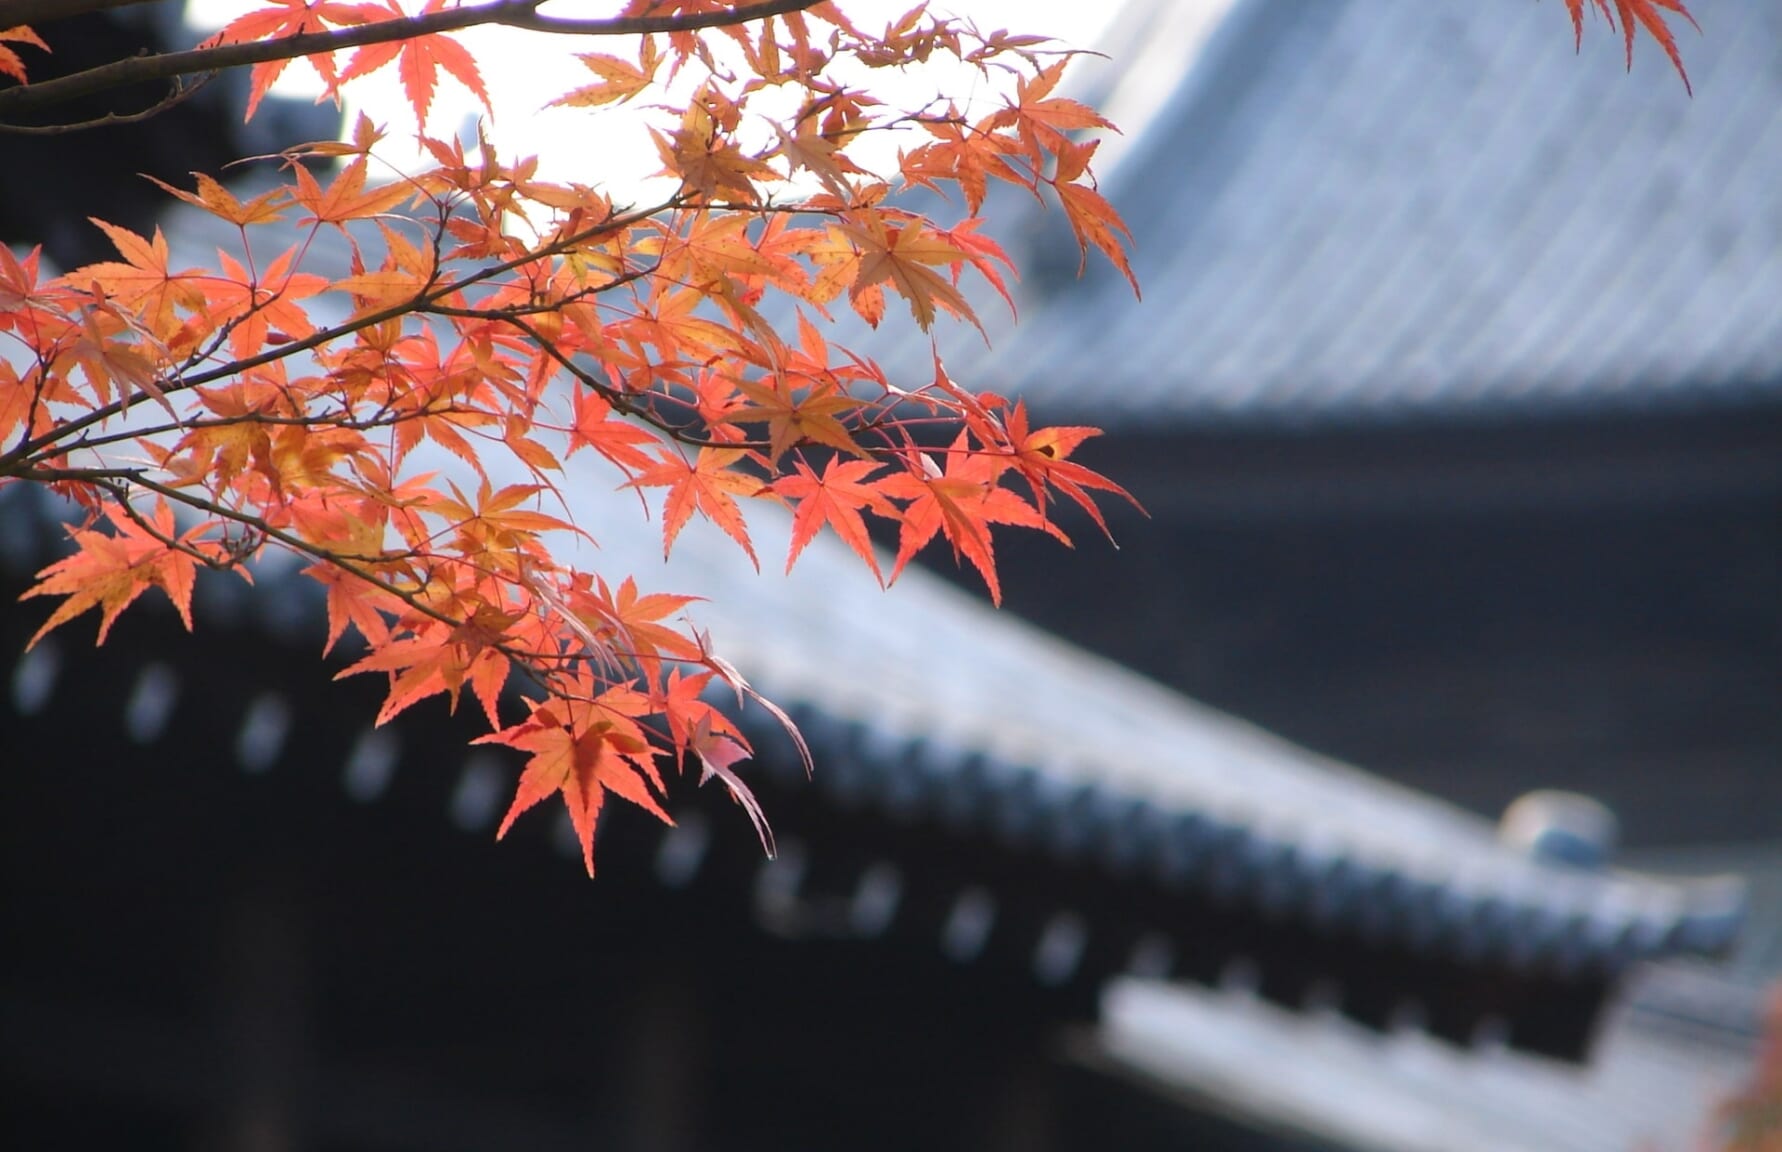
column 10, row 63
column 212, row 197
column 440, row 660
column 583, row 748
column 835, row 499
column 110, row 570
column 598, row 427
column 631, row 621
column 708, row 484
column 281, row 19
column 960, row 503
column 1041, row 457
column 902, row 254
column 1091, row 217
column 146, row 283
column 697, row 727
column 418, row 60
column 1043, row 121
column 797, row 419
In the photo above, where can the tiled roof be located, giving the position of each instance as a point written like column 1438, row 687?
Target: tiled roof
column 926, row 703
column 1647, row 1085
column 1381, row 209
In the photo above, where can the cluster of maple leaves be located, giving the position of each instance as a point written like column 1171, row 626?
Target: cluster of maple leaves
column 490, row 313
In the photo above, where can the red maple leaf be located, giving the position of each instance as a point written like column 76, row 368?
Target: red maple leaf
column 1648, row 14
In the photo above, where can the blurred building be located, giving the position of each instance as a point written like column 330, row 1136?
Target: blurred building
column 57, row 181
column 1487, row 527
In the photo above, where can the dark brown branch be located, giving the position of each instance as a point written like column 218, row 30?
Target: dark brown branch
column 510, row 13
column 178, row 93
column 21, row 454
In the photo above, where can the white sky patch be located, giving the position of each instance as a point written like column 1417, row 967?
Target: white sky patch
column 610, row 147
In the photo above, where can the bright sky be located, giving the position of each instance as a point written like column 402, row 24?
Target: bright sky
column 524, row 71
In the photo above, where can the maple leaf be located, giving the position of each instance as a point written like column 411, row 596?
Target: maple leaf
column 632, row 621
column 961, row 503
column 697, row 727
column 961, row 154
column 145, row 282
column 345, row 198
column 582, row 749
column 419, row 59
column 708, row 484
column 835, row 498
column 1091, row 217
column 901, row 255
column 1042, row 458
column 10, row 63
column 598, row 427
column 493, row 527
column 285, row 18
column 792, row 419
column 1042, row 121
column 440, row 660
column 620, row 80
column 1647, row 14
column 212, row 197
column 109, row 570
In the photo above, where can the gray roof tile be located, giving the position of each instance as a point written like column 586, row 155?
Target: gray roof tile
column 1378, row 209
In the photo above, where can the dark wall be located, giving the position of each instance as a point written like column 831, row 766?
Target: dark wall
column 1475, row 611
column 54, row 183
column 217, row 949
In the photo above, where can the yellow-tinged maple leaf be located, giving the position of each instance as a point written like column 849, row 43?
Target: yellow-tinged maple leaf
column 212, row 197
column 628, row 624
column 109, row 570
column 903, row 255
column 813, row 417
column 494, row 528
column 152, row 290
column 620, row 80
column 345, row 198
column 711, row 167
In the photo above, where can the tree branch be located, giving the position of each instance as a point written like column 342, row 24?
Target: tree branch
column 509, row 13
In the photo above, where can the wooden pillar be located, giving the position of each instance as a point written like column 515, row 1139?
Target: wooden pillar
column 665, row 1054
column 261, row 1029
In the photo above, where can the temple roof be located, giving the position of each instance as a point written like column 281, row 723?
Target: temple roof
column 925, row 702
column 1359, row 212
